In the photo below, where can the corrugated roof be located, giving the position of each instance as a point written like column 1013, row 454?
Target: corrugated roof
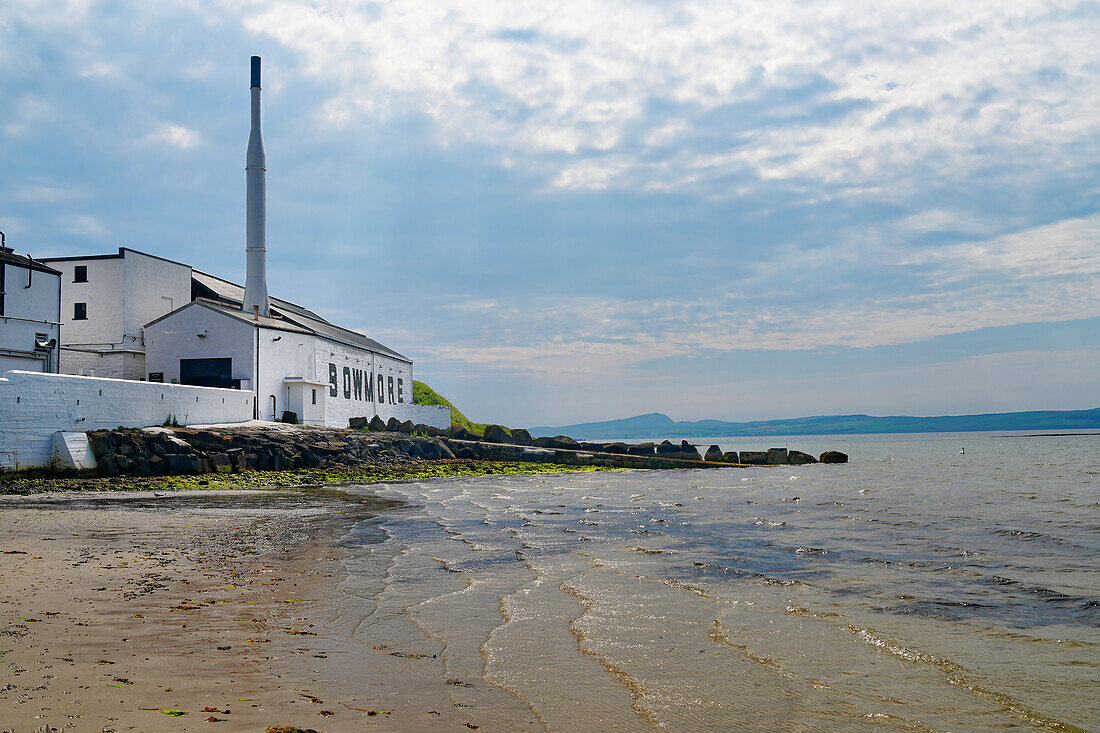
column 233, row 294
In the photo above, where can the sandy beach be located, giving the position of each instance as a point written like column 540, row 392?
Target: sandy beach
column 202, row 610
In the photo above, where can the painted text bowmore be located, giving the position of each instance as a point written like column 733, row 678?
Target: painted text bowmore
column 361, row 385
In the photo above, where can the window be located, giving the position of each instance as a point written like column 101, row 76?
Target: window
column 80, row 274
column 80, row 311
column 314, row 396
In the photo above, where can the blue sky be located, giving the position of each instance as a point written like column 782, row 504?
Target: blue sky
column 592, row 209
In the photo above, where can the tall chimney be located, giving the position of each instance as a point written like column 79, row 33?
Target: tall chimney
column 255, row 284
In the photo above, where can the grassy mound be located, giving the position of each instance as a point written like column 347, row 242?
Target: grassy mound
column 425, row 395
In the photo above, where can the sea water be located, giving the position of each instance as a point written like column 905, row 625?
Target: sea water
column 943, row 582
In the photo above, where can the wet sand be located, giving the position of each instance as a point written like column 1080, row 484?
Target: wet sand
column 224, row 607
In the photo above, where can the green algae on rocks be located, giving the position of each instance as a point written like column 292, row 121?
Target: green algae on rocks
column 35, row 482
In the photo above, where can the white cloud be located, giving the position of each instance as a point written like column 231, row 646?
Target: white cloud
column 175, row 135
column 1064, row 248
column 1047, row 273
column 936, row 84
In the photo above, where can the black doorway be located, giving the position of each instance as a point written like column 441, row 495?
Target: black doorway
column 207, row 372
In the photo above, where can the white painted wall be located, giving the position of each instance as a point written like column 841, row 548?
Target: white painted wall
column 28, row 311
column 177, row 337
column 342, row 367
column 35, row 406
column 282, row 354
column 123, row 293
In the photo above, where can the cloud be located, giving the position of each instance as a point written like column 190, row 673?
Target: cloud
column 602, row 93
column 177, row 136
column 1043, row 274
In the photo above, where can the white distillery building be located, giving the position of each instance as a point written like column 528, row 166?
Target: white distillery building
column 322, row 373
column 133, row 315
column 30, row 315
column 106, row 300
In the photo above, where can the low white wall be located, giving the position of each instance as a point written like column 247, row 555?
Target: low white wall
column 34, row 406
column 438, row 416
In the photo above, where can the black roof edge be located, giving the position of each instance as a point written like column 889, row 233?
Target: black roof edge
column 121, row 254
column 29, row 263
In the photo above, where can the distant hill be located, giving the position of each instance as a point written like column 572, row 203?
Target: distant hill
column 657, row 425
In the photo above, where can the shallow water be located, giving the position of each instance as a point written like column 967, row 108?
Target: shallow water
column 915, row 588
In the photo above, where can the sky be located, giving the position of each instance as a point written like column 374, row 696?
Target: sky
column 591, row 209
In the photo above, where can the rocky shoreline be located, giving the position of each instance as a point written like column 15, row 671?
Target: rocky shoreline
column 273, row 447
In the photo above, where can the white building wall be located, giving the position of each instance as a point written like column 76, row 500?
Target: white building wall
column 177, row 337
column 28, row 311
column 345, row 367
column 123, row 292
column 282, row 354
column 83, row 340
column 35, row 406
column 152, row 287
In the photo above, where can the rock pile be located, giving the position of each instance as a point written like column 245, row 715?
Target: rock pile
column 159, row 451
column 685, row 451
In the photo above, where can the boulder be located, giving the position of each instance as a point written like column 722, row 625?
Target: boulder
column 221, row 462
column 754, row 457
column 776, row 457
column 668, row 450
column 156, row 466
column 731, row 457
column 689, row 452
column 833, row 456
column 496, row 434
column 290, row 418
column 101, row 442
column 714, row 453
column 641, row 449
column 620, row 449
column 377, row 423
column 521, row 437
column 358, row 423
column 558, row 441
column 393, row 425
column 183, row 463
column 107, row 464
column 406, row 427
column 465, row 451
column 798, row 458
column 461, row 433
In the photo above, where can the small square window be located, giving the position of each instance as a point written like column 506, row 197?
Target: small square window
column 80, row 274
column 80, row 311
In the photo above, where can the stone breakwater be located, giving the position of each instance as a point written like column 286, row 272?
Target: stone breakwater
column 164, row 451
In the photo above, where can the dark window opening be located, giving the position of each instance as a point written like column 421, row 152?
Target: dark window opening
column 208, row 373
column 80, row 274
column 314, row 396
column 80, row 311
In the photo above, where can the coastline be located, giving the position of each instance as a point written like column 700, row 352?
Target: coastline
column 127, row 611
column 40, row 481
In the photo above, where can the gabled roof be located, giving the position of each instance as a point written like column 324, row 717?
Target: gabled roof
column 10, row 258
column 235, row 312
column 210, row 286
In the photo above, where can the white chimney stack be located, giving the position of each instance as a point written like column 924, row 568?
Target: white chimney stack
column 255, row 284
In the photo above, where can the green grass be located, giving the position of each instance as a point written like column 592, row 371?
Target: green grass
column 425, row 395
